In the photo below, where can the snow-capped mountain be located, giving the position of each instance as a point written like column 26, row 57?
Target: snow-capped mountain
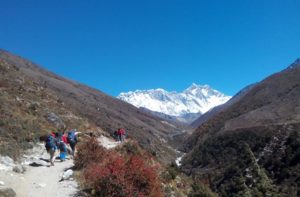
column 195, row 99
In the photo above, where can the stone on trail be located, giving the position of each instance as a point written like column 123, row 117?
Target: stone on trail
column 2, row 183
column 38, row 163
column 67, row 175
column 41, row 185
column 19, row 169
column 7, row 192
column 6, row 163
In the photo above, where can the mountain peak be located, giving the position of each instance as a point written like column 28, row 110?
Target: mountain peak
column 194, row 85
column 195, row 99
column 202, row 91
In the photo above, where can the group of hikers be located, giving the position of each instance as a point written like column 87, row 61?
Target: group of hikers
column 120, row 135
column 64, row 142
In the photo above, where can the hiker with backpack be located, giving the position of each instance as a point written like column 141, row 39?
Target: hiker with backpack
column 61, row 143
column 51, row 147
column 72, row 140
column 116, row 135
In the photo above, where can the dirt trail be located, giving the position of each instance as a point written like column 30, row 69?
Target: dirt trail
column 41, row 181
column 45, row 180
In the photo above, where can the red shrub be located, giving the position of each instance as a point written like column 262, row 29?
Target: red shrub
column 107, row 177
column 117, row 177
column 143, row 177
column 89, row 152
column 110, row 173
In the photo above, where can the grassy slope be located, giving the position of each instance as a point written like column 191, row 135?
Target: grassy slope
column 222, row 149
column 29, row 93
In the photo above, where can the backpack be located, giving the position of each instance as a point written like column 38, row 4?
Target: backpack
column 59, row 136
column 50, row 142
column 71, row 137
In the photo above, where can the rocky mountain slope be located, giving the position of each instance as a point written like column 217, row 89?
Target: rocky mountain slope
column 184, row 106
column 252, row 148
column 35, row 101
column 206, row 116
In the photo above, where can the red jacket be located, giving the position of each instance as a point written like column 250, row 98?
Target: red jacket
column 53, row 134
column 64, row 139
column 121, row 132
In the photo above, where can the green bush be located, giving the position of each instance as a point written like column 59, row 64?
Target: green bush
column 201, row 190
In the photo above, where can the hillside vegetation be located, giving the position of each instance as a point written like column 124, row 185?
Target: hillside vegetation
column 35, row 101
column 252, row 147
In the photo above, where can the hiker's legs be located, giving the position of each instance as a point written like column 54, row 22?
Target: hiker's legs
column 62, row 155
column 63, row 152
column 122, row 138
column 52, row 156
column 69, row 150
column 73, row 148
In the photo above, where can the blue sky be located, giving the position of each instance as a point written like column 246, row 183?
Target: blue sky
column 117, row 45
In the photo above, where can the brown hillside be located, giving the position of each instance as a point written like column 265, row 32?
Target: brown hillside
column 208, row 115
column 275, row 100
column 252, row 146
column 30, row 95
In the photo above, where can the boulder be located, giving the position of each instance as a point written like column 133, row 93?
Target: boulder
column 55, row 119
column 6, row 163
column 34, row 106
column 67, row 175
column 19, row 168
column 7, row 192
column 6, row 160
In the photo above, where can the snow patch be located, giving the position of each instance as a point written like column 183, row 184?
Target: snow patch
column 195, row 99
column 179, row 159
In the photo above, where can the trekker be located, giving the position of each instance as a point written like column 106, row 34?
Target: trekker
column 61, row 143
column 121, row 134
column 51, row 147
column 65, row 140
column 72, row 140
column 116, row 135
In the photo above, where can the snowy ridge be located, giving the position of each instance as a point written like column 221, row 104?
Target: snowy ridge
column 195, row 99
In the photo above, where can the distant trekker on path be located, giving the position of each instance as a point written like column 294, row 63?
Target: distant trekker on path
column 51, row 146
column 121, row 134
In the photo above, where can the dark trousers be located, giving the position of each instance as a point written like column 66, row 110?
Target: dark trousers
column 72, row 145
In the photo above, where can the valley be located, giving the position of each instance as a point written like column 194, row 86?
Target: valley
column 245, row 145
